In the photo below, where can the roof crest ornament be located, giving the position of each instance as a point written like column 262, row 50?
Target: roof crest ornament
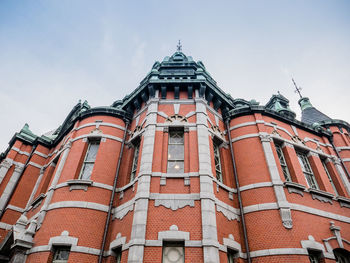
column 297, row 89
column 179, row 46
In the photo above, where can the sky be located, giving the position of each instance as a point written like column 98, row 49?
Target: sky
column 54, row 53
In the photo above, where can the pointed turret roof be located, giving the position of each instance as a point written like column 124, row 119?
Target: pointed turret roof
column 309, row 114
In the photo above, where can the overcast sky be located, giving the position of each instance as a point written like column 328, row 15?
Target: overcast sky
column 53, row 53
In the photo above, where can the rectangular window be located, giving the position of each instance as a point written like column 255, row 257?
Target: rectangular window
column 118, row 254
column 305, row 166
column 329, row 176
column 217, row 161
column 89, row 160
column 231, row 255
column 61, row 255
column 173, row 252
column 314, row 256
column 176, row 151
column 283, row 163
column 134, row 161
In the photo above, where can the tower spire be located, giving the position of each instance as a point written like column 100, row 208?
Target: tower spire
column 297, row 89
column 179, row 46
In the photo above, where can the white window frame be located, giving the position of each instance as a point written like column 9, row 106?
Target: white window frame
column 182, row 160
column 283, row 163
column 135, row 160
column 217, row 161
column 307, row 171
column 323, row 161
column 88, row 162
column 176, row 245
column 56, row 250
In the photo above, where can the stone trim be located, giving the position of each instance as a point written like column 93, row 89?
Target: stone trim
column 247, row 136
column 19, row 151
column 119, row 241
column 15, row 208
column 321, row 195
column 124, row 209
column 254, row 186
column 343, row 201
column 78, row 204
column 97, row 124
column 295, row 188
column 79, row 184
column 312, row 244
column 173, row 234
column 63, row 239
column 5, row 226
column 41, row 154
column 102, row 136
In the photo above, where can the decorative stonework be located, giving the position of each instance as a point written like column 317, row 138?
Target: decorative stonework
column 79, row 184
column 298, row 140
column 174, row 204
column 310, row 243
column 265, row 137
column 321, row 195
column 63, row 239
column 343, row 201
column 124, row 209
column 286, row 218
column 227, row 213
column 295, row 188
column 231, row 243
column 176, row 118
column 117, row 242
column 173, row 234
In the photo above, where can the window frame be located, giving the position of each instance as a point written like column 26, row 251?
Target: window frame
column 308, row 173
column 217, row 159
column 118, row 254
column 91, row 142
column 135, row 159
column 315, row 256
column 284, row 166
column 57, row 249
column 170, row 144
column 231, row 255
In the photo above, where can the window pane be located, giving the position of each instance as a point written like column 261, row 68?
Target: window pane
column 175, row 166
column 176, row 137
column 175, row 152
column 86, row 171
column 92, row 152
column 173, row 255
column 61, row 255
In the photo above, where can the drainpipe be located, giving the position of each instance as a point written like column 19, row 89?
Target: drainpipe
column 341, row 160
column 112, row 196
column 19, row 178
column 238, row 194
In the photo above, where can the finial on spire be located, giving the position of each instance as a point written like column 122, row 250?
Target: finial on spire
column 297, row 89
column 179, row 46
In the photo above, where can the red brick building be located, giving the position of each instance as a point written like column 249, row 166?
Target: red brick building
column 179, row 171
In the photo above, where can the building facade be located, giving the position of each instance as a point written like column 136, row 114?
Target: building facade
column 179, row 171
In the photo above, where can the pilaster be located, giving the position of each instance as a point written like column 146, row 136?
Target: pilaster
column 342, row 175
column 10, row 186
column 209, row 227
column 138, row 232
column 4, row 167
column 282, row 202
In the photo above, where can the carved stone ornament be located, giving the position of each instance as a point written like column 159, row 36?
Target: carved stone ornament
column 216, row 130
column 297, row 139
column 120, row 212
column 295, row 188
column 265, row 137
column 174, row 204
column 18, row 168
column 227, row 213
column 176, row 118
column 286, row 218
column 321, row 196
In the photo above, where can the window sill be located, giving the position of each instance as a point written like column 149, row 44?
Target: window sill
column 321, row 195
column 343, row 201
column 295, row 188
column 79, row 184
